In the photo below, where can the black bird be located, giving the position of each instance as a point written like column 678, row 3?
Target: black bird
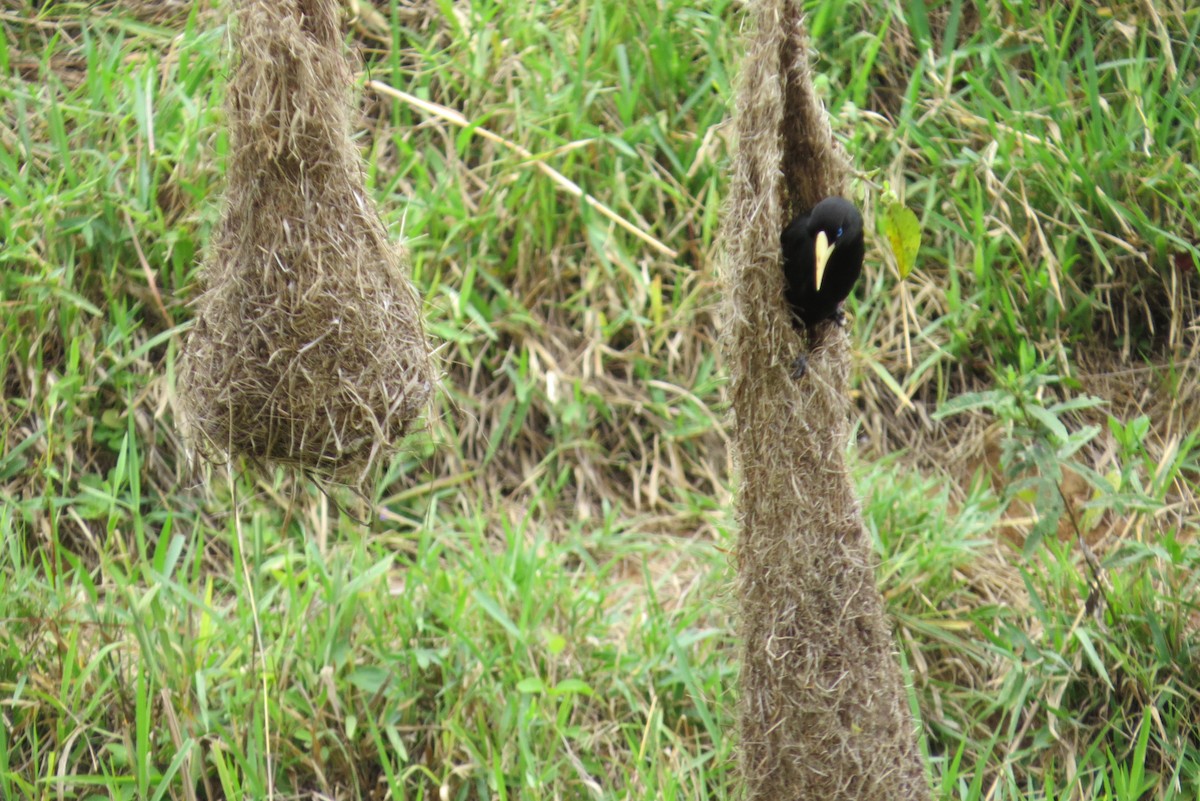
column 822, row 258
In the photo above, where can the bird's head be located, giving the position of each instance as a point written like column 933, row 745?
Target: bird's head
column 832, row 222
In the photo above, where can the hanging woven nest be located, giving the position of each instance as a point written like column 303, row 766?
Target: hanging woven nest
column 308, row 348
column 822, row 708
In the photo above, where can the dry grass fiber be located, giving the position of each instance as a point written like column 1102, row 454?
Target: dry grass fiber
column 308, row 349
column 823, row 711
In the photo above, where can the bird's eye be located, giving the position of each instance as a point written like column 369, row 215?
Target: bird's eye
column 838, row 235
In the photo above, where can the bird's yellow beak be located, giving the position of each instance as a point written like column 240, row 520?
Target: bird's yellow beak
column 823, row 251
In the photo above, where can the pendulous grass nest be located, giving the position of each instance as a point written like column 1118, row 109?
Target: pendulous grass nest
column 823, row 711
column 308, row 348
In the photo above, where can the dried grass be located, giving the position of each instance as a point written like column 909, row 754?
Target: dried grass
column 961, row 447
column 1144, row 323
column 308, row 349
column 822, row 711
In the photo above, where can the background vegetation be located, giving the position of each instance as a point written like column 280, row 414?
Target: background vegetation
column 539, row 607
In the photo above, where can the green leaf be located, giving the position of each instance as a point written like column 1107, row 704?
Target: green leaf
column 1049, row 421
column 531, row 684
column 555, row 643
column 993, row 400
column 1089, row 650
column 903, row 232
column 573, row 686
column 369, row 678
column 496, row 613
column 890, row 381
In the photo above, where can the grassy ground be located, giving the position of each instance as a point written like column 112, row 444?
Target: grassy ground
column 539, row 607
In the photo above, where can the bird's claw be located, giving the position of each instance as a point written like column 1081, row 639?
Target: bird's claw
column 799, row 367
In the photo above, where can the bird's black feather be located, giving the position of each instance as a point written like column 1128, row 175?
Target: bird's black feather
column 843, row 228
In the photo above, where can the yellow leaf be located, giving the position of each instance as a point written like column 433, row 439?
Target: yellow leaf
column 903, row 232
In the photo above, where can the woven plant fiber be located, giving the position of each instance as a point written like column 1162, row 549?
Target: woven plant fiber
column 823, row 713
column 308, row 348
